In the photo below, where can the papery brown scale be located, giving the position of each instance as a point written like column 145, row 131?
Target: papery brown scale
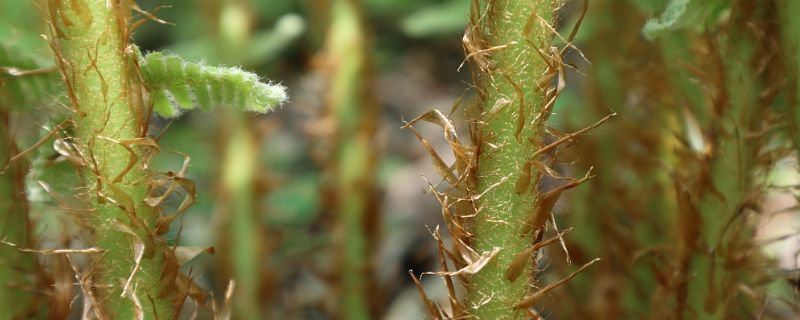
column 520, row 260
column 433, row 310
column 451, row 292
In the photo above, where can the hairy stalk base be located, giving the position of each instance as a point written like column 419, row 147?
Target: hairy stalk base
column 507, row 75
column 102, row 84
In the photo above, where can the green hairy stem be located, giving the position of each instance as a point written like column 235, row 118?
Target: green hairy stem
column 93, row 53
column 507, row 75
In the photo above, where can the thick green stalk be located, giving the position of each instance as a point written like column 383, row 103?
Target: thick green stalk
column 96, row 61
column 352, row 167
column 507, row 74
column 17, row 269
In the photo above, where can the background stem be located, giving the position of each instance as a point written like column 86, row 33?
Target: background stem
column 239, row 174
column 239, row 169
column 352, row 167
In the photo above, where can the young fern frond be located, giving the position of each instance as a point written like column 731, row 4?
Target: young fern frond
column 668, row 20
column 177, row 85
column 690, row 14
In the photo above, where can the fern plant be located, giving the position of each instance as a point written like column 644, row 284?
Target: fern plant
column 690, row 183
column 729, row 141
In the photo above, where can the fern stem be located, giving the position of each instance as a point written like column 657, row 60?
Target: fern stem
column 239, row 170
column 505, row 141
column 240, row 173
column 96, row 61
column 353, row 159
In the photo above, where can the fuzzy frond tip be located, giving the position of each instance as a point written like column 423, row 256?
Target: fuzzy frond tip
column 176, row 85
